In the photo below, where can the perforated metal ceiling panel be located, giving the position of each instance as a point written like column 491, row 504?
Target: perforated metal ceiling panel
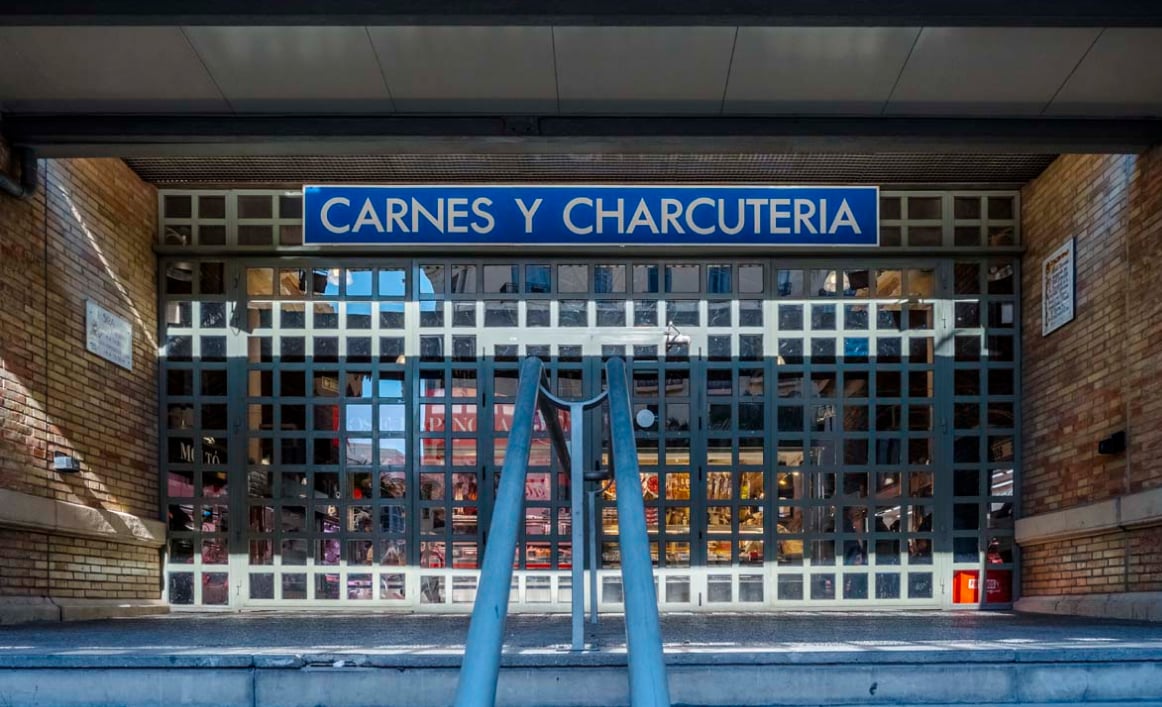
column 645, row 168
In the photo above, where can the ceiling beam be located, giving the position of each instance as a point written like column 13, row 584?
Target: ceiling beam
column 878, row 13
column 233, row 135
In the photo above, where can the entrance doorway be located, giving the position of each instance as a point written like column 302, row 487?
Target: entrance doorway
column 808, row 434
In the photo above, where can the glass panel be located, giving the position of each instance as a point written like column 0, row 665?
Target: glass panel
column 501, row 278
column 790, row 587
column 718, row 279
column 177, row 206
column 823, row 586
column 683, row 278
column 608, row 279
column 966, row 207
column 924, row 208
column 461, row 279
column 1001, row 208
column 682, row 313
column 718, row 314
column 645, row 313
column 538, row 314
column 573, row 313
column 500, row 313
column 574, row 278
column 751, row 278
column 750, row 313
column 392, row 282
column 645, row 279
column 255, row 206
column 789, row 283
column 290, row 206
column 538, row 279
column 210, row 206
column 611, row 313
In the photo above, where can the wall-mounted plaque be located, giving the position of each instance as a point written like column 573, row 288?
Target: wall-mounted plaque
column 108, row 335
column 1057, row 289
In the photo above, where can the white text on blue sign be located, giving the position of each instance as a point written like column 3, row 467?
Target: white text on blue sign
column 591, row 215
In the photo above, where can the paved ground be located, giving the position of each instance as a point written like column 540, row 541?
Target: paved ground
column 796, row 636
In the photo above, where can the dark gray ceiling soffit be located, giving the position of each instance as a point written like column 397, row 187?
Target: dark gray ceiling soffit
column 879, row 13
column 832, row 168
column 232, row 135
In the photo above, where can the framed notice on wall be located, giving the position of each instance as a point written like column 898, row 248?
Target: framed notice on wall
column 1057, row 289
column 108, row 335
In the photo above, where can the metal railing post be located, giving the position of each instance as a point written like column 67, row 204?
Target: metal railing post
column 481, row 667
column 571, row 454
column 648, row 686
column 573, row 463
column 577, row 518
column 591, row 526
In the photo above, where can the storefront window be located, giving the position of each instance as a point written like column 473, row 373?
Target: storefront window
column 794, row 446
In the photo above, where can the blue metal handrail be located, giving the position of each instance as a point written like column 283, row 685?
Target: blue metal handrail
column 481, row 666
column 648, row 686
column 482, row 652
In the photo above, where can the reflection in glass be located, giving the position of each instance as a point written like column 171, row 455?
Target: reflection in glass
column 575, row 278
column 538, row 279
column 609, row 279
column 461, row 279
column 500, row 278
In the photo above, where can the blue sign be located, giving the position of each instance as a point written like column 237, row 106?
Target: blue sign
column 590, row 215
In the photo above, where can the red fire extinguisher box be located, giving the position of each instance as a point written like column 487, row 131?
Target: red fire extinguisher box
column 966, row 587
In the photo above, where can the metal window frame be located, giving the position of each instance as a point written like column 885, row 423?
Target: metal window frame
column 698, row 574
column 946, row 221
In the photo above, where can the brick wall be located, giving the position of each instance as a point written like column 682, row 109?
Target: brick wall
column 24, row 562
column 86, row 234
column 1144, row 569
column 1084, row 566
column 95, row 569
column 38, row 564
column 1099, row 373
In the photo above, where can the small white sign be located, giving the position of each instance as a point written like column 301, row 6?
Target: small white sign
column 1057, row 289
column 108, row 335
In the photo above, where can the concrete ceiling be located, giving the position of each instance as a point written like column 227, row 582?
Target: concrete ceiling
column 628, row 13
column 584, row 70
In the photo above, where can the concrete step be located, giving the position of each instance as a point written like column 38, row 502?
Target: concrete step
column 341, row 659
column 908, row 677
